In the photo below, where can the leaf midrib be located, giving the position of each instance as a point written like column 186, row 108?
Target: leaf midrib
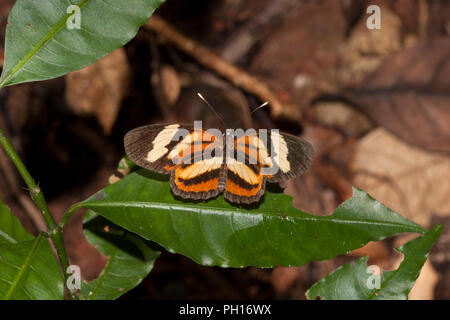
column 165, row 206
column 26, row 264
column 39, row 46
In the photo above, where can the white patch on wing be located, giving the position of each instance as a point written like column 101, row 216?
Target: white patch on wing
column 242, row 171
column 185, row 143
column 201, row 167
column 281, row 151
column 186, row 147
column 161, row 141
column 263, row 155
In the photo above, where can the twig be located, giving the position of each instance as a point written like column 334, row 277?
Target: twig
column 208, row 59
column 54, row 231
column 250, row 33
column 24, row 201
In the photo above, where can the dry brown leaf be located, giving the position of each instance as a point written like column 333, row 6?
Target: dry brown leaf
column 341, row 116
column 311, row 195
column 284, row 278
column 366, row 49
column 309, row 191
column 377, row 251
column 410, row 95
column 424, row 287
column 410, row 181
column 439, row 17
column 99, row 88
column 302, row 50
column 170, row 84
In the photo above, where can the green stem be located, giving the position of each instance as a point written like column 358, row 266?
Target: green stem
column 68, row 214
column 54, row 231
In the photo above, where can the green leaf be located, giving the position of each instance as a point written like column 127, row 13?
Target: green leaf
column 218, row 233
column 28, row 268
column 39, row 45
column 355, row 281
column 130, row 258
column 11, row 230
column 29, row 271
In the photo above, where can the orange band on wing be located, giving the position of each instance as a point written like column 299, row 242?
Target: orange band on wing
column 200, row 182
column 204, row 186
column 240, row 191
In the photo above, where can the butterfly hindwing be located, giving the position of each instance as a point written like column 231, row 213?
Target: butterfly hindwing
column 242, row 184
column 245, row 182
column 200, row 180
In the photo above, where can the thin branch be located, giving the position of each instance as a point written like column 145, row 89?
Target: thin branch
column 24, row 201
column 35, row 191
column 54, row 231
column 208, row 59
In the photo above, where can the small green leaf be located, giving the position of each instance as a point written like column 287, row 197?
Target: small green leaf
column 29, row 271
column 355, row 281
column 218, row 233
column 39, row 45
column 11, row 230
column 130, row 259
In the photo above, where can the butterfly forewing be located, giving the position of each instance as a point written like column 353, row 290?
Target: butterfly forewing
column 184, row 152
column 149, row 146
column 291, row 156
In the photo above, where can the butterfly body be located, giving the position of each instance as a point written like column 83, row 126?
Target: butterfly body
column 205, row 163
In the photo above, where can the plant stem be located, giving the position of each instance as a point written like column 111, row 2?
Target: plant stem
column 68, row 214
column 54, row 231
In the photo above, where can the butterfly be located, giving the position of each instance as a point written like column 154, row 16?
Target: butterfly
column 204, row 163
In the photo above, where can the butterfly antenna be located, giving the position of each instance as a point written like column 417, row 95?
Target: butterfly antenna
column 214, row 110
column 261, row 106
